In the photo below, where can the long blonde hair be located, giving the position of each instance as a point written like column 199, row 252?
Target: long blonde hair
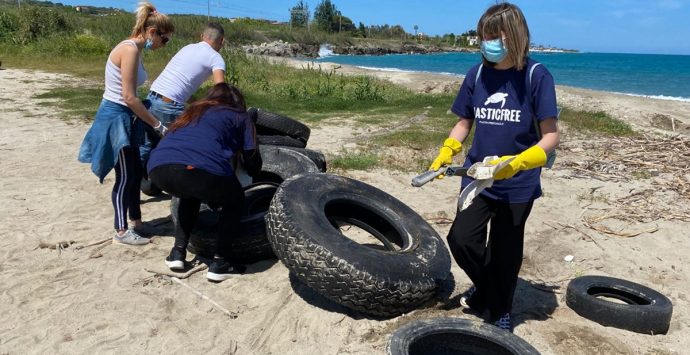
column 147, row 16
column 507, row 18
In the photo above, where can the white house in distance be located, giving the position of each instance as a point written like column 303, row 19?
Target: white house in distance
column 472, row 40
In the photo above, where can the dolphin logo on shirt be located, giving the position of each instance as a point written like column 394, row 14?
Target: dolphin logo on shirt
column 496, row 98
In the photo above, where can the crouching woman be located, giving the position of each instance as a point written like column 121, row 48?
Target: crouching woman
column 194, row 162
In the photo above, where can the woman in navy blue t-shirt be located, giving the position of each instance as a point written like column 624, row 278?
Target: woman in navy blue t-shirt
column 501, row 98
column 194, row 162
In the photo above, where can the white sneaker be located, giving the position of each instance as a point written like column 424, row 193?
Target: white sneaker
column 130, row 237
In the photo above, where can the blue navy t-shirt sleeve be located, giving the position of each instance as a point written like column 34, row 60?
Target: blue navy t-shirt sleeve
column 544, row 93
column 462, row 106
column 248, row 133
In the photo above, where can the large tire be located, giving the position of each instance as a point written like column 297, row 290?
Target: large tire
column 283, row 141
column 380, row 281
column 455, row 336
column 645, row 310
column 251, row 244
column 149, row 188
column 270, row 123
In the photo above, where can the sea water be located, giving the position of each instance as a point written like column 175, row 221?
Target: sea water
column 655, row 75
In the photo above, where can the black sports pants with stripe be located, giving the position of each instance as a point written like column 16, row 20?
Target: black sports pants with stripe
column 125, row 195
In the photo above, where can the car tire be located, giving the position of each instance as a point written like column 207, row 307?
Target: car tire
column 644, row 310
column 455, row 336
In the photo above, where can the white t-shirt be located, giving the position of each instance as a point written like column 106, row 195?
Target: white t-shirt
column 190, row 67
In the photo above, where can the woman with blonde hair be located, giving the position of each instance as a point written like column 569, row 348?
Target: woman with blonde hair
column 117, row 130
column 511, row 101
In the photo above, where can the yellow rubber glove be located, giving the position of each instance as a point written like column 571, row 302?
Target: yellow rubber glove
column 450, row 148
column 531, row 158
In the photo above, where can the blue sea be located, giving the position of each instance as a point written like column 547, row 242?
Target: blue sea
column 655, row 75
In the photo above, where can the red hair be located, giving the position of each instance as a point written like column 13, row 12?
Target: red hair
column 220, row 94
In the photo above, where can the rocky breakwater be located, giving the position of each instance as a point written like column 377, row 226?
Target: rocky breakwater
column 283, row 49
column 405, row 48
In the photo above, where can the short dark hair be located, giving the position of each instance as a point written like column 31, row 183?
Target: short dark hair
column 213, row 31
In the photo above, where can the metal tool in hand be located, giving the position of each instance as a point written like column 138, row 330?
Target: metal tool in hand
column 423, row 178
column 483, row 174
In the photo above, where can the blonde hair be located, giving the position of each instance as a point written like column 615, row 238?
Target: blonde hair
column 147, row 16
column 507, row 18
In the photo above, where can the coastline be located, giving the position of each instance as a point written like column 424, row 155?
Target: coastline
column 641, row 112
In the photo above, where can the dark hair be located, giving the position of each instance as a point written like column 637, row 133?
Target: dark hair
column 213, row 31
column 220, row 94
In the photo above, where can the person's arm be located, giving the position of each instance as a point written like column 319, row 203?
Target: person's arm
column 218, row 76
column 550, row 137
column 461, row 129
column 128, row 67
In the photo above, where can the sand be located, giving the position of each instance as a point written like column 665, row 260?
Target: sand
column 101, row 298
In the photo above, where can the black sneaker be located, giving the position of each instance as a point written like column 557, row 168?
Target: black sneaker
column 175, row 260
column 220, row 270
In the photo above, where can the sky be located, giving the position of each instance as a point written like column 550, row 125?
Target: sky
column 611, row 26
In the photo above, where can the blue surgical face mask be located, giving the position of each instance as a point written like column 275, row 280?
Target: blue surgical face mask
column 493, row 50
column 148, row 44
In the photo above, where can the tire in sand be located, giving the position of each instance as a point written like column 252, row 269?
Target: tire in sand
column 400, row 270
column 619, row 303
column 455, row 336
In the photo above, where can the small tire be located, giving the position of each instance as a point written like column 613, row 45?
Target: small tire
column 644, row 311
column 382, row 281
column 316, row 156
column 149, row 188
column 455, row 336
column 281, row 163
column 270, row 123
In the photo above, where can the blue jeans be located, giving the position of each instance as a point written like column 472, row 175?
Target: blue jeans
column 166, row 112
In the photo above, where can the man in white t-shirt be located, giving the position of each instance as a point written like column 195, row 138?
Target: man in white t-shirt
column 184, row 74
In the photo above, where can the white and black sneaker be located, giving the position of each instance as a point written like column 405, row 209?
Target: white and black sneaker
column 175, row 260
column 467, row 296
column 221, row 270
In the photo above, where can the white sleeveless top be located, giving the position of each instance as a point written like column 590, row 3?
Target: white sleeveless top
column 113, row 77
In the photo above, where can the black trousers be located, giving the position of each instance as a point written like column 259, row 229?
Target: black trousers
column 193, row 186
column 493, row 267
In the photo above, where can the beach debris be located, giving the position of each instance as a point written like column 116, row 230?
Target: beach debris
column 192, row 271
column 59, row 246
column 568, row 258
column 98, row 242
column 215, row 304
column 664, row 160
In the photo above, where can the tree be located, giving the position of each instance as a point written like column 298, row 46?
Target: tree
column 326, row 16
column 362, row 30
column 299, row 15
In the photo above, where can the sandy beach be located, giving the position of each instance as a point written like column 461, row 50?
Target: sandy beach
column 103, row 299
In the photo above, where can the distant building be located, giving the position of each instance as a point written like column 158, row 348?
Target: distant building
column 472, row 40
column 84, row 9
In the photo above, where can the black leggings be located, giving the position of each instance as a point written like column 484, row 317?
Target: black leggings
column 193, row 186
column 125, row 195
column 492, row 267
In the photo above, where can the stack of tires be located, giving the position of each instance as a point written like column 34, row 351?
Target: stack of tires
column 282, row 143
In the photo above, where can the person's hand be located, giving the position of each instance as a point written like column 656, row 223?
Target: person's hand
column 161, row 129
column 451, row 147
column 531, row 158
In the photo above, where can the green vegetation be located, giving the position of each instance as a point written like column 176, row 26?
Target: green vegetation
column 354, row 161
column 596, row 122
